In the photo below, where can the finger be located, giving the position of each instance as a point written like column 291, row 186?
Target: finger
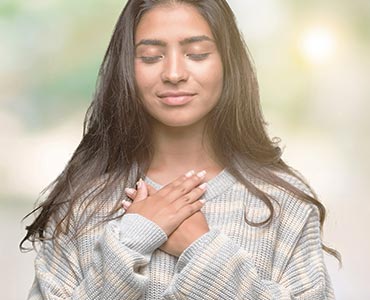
column 142, row 191
column 188, row 185
column 151, row 190
column 188, row 210
column 163, row 191
column 190, row 197
column 181, row 186
column 131, row 193
column 126, row 204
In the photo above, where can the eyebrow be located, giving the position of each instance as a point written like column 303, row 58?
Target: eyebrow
column 186, row 41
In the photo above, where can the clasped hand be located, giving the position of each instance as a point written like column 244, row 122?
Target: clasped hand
column 175, row 208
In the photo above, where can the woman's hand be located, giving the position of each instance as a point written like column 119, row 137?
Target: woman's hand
column 171, row 205
column 186, row 233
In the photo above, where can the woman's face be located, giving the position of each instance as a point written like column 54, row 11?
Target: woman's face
column 178, row 69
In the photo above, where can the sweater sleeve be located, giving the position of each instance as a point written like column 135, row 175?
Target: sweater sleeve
column 125, row 246
column 214, row 267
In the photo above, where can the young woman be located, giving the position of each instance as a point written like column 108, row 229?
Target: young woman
column 176, row 191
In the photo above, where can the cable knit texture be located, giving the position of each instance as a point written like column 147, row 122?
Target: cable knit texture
column 121, row 259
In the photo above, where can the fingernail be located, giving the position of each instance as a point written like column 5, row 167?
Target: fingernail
column 139, row 183
column 130, row 191
column 201, row 174
column 203, row 201
column 189, row 174
column 126, row 204
column 203, row 186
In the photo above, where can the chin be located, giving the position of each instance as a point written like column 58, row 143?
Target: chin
column 178, row 123
column 179, row 118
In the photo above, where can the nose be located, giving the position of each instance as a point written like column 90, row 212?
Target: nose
column 174, row 68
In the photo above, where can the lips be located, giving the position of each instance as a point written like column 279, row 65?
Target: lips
column 173, row 98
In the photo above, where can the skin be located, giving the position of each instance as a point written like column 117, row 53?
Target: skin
column 179, row 144
column 175, row 53
column 175, row 208
column 187, row 60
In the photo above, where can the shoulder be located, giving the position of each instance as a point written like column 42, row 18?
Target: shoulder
column 101, row 200
column 290, row 207
column 295, row 210
column 93, row 203
column 299, row 203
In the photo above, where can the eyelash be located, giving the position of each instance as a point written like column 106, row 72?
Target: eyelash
column 154, row 59
column 150, row 59
column 198, row 57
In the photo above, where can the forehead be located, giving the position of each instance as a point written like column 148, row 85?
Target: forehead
column 172, row 22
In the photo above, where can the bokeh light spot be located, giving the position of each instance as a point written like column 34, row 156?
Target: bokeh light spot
column 318, row 45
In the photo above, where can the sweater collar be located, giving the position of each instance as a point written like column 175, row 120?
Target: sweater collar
column 215, row 186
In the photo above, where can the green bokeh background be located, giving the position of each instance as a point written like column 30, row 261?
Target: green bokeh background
column 50, row 54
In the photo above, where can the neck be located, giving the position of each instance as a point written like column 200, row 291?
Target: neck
column 178, row 150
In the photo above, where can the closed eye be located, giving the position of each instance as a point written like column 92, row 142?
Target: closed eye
column 151, row 59
column 198, row 57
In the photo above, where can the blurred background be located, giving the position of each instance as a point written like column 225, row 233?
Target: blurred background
column 313, row 63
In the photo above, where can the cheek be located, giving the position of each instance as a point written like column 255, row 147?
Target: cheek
column 143, row 79
column 213, row 78
column 209, row 73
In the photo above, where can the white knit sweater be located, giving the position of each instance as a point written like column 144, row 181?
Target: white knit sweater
column 120, row 259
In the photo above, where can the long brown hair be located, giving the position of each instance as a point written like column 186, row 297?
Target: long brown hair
column 116, row 144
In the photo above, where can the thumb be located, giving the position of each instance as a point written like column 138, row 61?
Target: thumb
column 151, row 190
column 142, row 191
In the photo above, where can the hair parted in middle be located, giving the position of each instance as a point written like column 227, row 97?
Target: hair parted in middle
column 117, row 138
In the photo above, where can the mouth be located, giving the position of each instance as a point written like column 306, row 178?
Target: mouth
column 176, row 98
